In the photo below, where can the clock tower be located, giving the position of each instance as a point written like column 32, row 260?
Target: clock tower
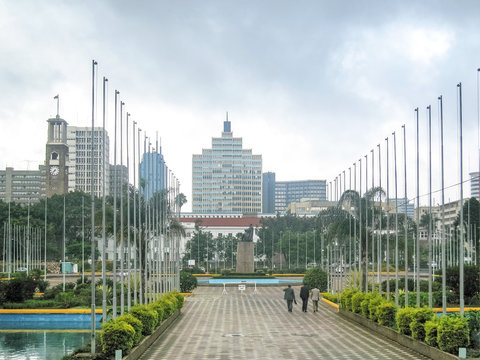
column 56, row 157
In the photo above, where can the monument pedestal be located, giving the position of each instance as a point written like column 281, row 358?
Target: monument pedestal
column 245, row 254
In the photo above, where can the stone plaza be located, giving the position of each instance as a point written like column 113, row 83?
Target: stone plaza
column 243, row 325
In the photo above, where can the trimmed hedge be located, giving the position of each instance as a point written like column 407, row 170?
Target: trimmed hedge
column 365, row 304
column 386, row 313
column 375, row 301
column 135, row 323
column 356, row 302
column 147, row 316
column 431, row 332
column 419, row 317
column 346, row 298
column 117, row 335
column 404, row 318
column 453, row 332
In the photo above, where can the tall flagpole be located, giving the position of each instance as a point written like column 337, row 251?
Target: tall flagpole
column 444, row 241
column 429, row 108
column 92, row 198
column 129, row 248
column 104, row 235
column 417, row 242
column 406, row 217
column 388, row 225
column 461, row 242
column 115, row 173
column 122, row 246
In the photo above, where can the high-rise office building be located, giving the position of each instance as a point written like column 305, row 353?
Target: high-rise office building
column 268, row 193
column 474, row 186
column 80, row 167
column 401, row 206
column 118, row 175
column 153, row 172
column 290, row 191
column 22, row 186
column 227, row 178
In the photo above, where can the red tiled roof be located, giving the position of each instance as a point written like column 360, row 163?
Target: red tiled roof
column 243, row 221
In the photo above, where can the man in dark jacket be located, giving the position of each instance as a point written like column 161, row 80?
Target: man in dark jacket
column 304, row 292
column 290, row 297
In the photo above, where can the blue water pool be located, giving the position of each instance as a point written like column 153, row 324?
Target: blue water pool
column 40, row 344
column 47, row 321
column 250, row 281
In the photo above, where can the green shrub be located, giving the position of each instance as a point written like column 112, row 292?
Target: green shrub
column 171, row 296
column 330, row 297
column 404, row 318
column 412, row 299
column 31, row 304
column 188, row 282
column 117, row 335
column 356, row 301
column 419, row 317
column 385, row 313
column 473, row 317
column 135, row 323
column 365, row 303
column 169, row 306
column 177, row 298
column 316, row 278
column 372, row 306
column 346, row 298
column 453, row 333
column 160, row 310
column 431, row 332
column 66, row 300
column 147, row 316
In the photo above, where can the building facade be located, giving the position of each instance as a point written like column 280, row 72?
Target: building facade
column 22, row 186
column 474, row 185
column 118, row 175
column 153, row 173
column 80, row 167
column 268, row 193
column 401, row 207
column 227, row 178
column 294, row 191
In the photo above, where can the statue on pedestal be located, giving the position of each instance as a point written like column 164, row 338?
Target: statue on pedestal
column 248, row 234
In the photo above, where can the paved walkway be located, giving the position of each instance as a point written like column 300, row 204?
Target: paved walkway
column 247, row 326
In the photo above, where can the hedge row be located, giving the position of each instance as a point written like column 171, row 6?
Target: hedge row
column 126, row 331
column 448, row 333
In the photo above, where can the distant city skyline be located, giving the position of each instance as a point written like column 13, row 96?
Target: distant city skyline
column 312, row 86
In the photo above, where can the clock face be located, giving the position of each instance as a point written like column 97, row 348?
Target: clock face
column 54, row 170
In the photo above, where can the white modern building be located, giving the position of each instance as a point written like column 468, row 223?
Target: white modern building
column 227, row 178
column 474, row 186
column 80, row 165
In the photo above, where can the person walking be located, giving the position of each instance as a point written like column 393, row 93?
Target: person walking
column 290, row 297
column 315, row 297
column 304, row 292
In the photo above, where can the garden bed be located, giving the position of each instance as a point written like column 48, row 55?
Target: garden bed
column 391, row 334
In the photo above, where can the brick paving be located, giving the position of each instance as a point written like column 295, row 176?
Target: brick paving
column 248, row 326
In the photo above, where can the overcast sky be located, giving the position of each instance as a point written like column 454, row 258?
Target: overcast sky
column 312, row 86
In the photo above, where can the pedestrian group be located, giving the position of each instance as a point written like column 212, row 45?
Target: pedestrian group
column 305, row 293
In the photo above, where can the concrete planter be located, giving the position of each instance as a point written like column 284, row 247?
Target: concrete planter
column 138, row 351
column 391, row 334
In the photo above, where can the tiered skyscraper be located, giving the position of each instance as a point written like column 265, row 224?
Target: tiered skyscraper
column 227, row 178
column 153, row 172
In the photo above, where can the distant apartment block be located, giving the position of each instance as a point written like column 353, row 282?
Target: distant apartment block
column 22, row 186
column 227, row 178
column 287, row 192
column 81, row 170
